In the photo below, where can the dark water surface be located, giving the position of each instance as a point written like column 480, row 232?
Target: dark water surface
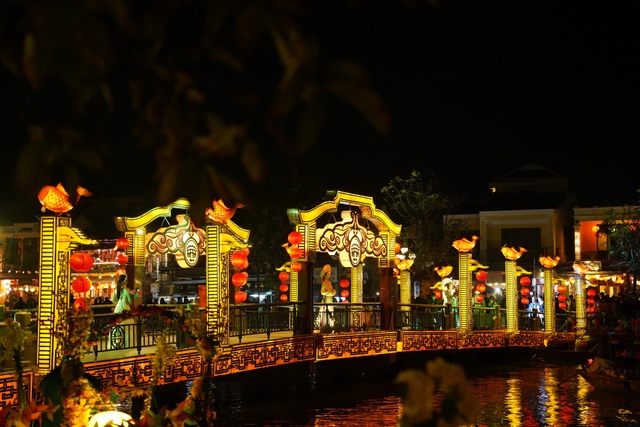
column 511, row 394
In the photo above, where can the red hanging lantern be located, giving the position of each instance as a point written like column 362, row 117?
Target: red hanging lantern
column 438, row 294
column 344, row 283
column 294, row 238
column 283, row 276
column 562, row 297
column 398, row 247
column 122, row 243
column 284, row 297
column 481, row 276
column 238, row 260
column 479, row 298
column 562, row 288
column 238, row 279
column 121, row 272
column 344, row 293
column 525, row 292
column 284, row 287
column 81, row 284
column 562, row 305
column 80, row 304
column 245, row 251
column 591, row 292
column 591, row 301
column 296, row 266
column 81, row 262
column 122, row 259
column 524, row 301
column 481, row 287
column 525, row 281
column 295, row 253
column 240, row 296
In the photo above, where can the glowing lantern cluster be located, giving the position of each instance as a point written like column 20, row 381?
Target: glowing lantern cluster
column 240, row 261
column 284, row 286
column 344, row 284
column 294, row 250
column 562, row 297
column 122, row 244
column 525, row 281
column 591, row 300
column 481, row 288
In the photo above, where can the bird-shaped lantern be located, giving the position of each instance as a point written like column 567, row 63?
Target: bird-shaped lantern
column 220, row 212
column 464, row 244
column 511, row 253
column 548, row 262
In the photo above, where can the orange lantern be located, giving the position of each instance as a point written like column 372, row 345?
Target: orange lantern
column 238, row 279
column 562, row 297
column 479, row 298
column 438, row 294
column 481, row 276
column 122, row 259
column 295, row 253
column 294, row 237
column 344, row 283
column 240, row 296
column 525, row 292
column 283, row 276
column 591, row 292
column 81, row 262
column 80, row 304
column 296, row 266
column 284, row 297
column 397, row 247
column 238, row 260
column 525, row 281
column 122, row 243
column 524, row 301
column 344, row 293
column 562, row 288
column 562, row 305
column 81, row 284
column 481, row 287
column 284, row 287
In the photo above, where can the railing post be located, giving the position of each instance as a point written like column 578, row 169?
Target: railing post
column 138, row 332
column 536, row 320
column 448, row 316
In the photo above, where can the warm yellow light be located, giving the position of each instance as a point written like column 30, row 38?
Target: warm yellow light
column 110, row 418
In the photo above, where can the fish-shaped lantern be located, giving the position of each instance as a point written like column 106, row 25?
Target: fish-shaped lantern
column 220, row 212
column 56, row 199
column 465, row 245
column 511, row 253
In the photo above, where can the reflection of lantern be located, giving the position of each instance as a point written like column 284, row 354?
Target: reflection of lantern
column 481, row 276
column 122, row 243
column 524, row 301
column 294, row 237
column 122, row 259
column 438, row 294
column 284, row 287
column 283, row 276
column 344, row 293
column 479, row 298
column 525, row 292
column 284, row 297
column 80, row 304
column 525, row 281
column 295, row 253
column 81, row 284
column 296, row 266
column 562, row 297
column 81, row 261
column 481, row 287
column 238, row 279
column 591, row 292
column 562, row 288
column 344, row 283
column 562, row 305
column 238, row 260
column 240, row 296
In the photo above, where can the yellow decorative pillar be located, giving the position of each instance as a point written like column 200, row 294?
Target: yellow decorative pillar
column 464, row 289
column 217, row 276
column 405, row 289
column 549, row 303
column 511, row 290
column 581, row 317
column 356, row 284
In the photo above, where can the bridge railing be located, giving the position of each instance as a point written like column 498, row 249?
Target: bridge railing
column 346, row 317
column 254, row 319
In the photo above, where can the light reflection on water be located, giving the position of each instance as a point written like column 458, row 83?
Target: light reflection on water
column 515, row 395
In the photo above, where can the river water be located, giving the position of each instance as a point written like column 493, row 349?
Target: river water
column 511, row 394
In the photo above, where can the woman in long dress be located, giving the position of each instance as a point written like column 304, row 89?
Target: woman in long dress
column 123, row 331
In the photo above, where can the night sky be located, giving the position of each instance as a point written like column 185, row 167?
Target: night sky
column 476, row 89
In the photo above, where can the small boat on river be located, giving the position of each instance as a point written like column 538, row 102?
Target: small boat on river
column 607, row 375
